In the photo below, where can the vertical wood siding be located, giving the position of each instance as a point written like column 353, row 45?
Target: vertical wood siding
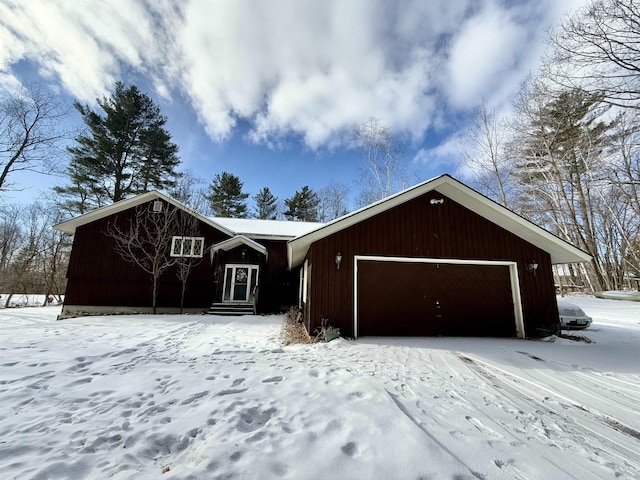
column 278, row 285
column 98, row 276
column 419, row 229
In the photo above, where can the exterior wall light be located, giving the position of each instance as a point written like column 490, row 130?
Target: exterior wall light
column 532, row 267
column 436, row 201
column 338, row 260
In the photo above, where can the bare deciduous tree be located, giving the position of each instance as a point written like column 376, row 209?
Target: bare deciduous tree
column 56, row 249
column 190, row 190
column 30, row 130
column 145, row 241
column 33, row 256
column 10, row 234
column 623, row 173
column 596, row 50
column 483, row 151
column 383, row 172
column 188, row 226
column 334, row 199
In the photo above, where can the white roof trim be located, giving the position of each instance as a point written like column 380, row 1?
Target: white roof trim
column 237, row 241
column 560, row 250
column 70, row 225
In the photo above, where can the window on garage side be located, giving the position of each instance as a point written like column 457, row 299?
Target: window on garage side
column 187, row 246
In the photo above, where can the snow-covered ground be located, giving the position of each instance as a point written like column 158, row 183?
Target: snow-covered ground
column 128, row 397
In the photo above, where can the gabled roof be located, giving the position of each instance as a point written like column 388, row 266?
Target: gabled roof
column 236, row 242
column 559, row 250
column 70, row 225
column 267, row 229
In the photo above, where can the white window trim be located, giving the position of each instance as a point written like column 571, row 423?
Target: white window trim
column 192, row 243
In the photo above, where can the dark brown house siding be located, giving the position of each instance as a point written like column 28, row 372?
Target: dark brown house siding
column 98, row 276
column 420, row 229
column 278, row 286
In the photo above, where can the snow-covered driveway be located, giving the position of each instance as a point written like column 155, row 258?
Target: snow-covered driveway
column 216, row 397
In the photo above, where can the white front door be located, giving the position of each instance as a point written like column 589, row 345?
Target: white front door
column 239, row 283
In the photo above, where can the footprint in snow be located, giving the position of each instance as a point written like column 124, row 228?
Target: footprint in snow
column 350, row 449
column 280, row 469
column 482, row 427
column 194, row 397
column 253, row 418
column 231, row 391
column 80, row 382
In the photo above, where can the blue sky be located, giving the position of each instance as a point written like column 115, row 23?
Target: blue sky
column 270, row 90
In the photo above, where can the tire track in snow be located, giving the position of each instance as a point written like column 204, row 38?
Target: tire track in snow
column 613, row 391
column 582, row 418
column 457, row 391
column 418, row 424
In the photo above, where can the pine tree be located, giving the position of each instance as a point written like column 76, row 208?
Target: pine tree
column 226, row 198
column 266, row 204
column 303, row 206
column 561, row 140
column 126, row 150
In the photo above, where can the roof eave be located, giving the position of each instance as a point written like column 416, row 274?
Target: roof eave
column 559, row 250
column 238, row 240
column 71, row 225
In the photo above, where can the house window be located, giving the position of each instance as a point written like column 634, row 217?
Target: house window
column 187, row 246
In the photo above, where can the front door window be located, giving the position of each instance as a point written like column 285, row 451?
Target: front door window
column 240, row 282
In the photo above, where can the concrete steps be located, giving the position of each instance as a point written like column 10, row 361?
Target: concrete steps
column 231, row 309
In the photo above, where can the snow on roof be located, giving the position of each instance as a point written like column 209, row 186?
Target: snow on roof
column 266, row 228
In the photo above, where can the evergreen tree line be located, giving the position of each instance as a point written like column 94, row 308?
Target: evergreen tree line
column 224, row 197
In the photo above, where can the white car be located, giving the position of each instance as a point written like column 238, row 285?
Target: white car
column 572, row 317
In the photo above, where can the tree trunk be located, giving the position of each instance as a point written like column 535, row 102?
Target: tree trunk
column 182, row 295
column 155, row 294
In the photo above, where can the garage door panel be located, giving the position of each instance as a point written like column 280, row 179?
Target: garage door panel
column 424, row 299
column 476, row 299
column 392, row 292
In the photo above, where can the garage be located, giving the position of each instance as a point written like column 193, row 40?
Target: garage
column 436, row 259
column 429, row 297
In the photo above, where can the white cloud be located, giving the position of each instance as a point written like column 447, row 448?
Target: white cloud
column 9, row 82
column 446, row 153
column 313, row 68
column 489, row 45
